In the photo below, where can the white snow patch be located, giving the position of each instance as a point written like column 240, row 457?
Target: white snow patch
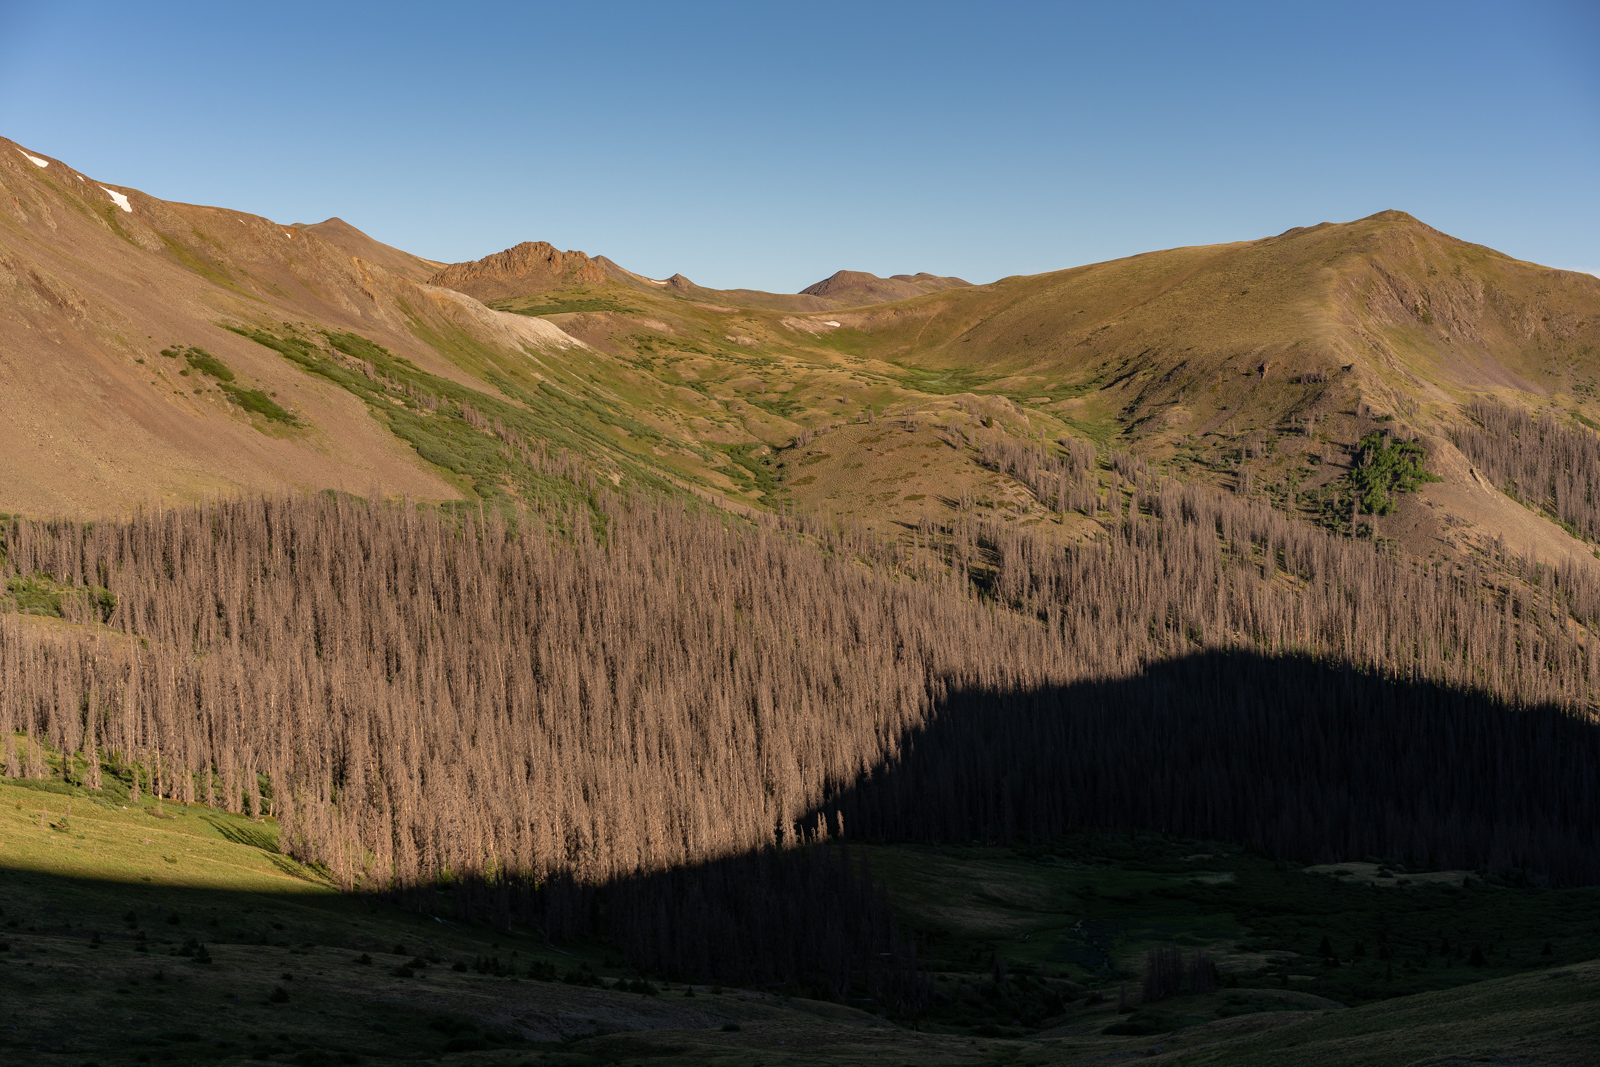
column 652, row 281
column 35, row 160
column 538, row 332
column 79, row 177
column 289, row 235
column 830, row 322
column 513, row 332
column 121, row 199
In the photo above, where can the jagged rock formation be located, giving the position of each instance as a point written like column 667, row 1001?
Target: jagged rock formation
column 526, row 268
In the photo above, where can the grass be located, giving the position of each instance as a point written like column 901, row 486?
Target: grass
column 561, row 303
column 425, row 411
column 132, row 934
column 204, row 362
column 944, row 382
column 752, row 465
column 40, row 594
column 256, row 402
column 1089, row 909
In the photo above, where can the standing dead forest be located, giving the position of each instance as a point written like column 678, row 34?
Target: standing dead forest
column 639, row 714
column 1547, row 466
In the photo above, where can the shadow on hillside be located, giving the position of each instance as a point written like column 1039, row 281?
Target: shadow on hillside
column 1299, row 759
column 1294, row 756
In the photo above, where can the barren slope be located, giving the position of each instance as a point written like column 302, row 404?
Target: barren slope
column 96, row 286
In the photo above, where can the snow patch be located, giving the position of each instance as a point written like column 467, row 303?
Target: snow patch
column 513, row 332
column 538, row 332
column 830, row 322
column 35, row 160
column 652, row 281
column 121, row 199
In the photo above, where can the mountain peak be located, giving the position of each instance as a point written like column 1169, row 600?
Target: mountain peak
column 1392, row 215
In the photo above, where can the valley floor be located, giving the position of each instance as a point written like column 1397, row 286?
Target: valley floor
column 137, row 935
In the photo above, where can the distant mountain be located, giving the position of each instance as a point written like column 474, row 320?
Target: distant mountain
column 854, row 288
column 537, row 267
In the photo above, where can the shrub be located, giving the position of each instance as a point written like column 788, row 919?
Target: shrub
column 1388, row 466
column 258, row 403
column 35, row 595
column 206, row 363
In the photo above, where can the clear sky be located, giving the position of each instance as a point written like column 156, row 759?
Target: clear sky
column 767, row 144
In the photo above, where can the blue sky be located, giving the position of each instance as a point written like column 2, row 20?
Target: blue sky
column 767, row 145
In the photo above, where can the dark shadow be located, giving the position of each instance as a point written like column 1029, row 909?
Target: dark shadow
column 1296, row 758
column 1287, row 754
column 249, row 836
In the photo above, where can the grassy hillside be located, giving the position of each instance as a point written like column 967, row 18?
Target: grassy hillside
column 1384, row 310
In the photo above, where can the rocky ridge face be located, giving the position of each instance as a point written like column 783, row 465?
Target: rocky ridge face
column 528, row 267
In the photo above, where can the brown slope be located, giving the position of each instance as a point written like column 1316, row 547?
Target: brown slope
column 98, row 421
column 352, row 241
column 91, row 292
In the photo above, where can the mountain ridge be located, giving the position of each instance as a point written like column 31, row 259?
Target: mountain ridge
column 534, row 267
column 1214, row 359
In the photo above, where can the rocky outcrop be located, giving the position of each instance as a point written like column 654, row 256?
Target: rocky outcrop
column 530, row 267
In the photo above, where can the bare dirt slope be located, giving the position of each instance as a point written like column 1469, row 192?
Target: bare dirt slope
column 96, row 419
column 341, row 234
